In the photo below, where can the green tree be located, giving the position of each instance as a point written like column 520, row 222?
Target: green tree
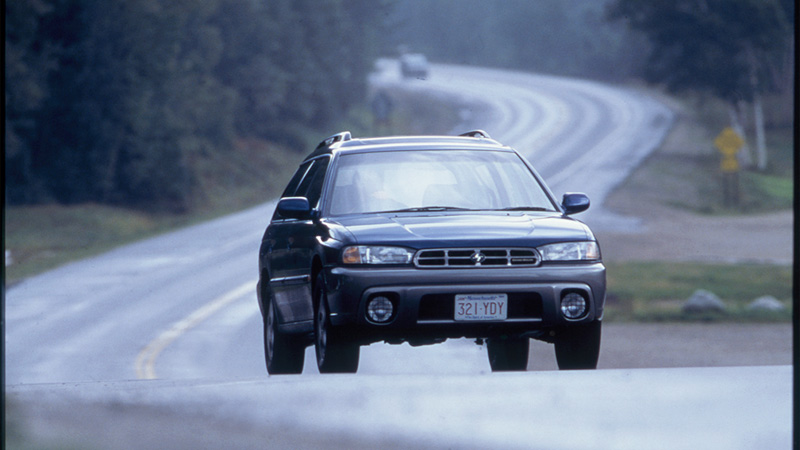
column 298, row 62
column 251, row 63
column 176, row 112
column 130, row 102
column 29, row 60
column 731, row 49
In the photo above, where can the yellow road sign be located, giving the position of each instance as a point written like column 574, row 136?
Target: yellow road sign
column 728, row 142
column 729, row 164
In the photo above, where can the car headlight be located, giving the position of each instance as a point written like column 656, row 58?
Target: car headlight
column 368, row 254
column 570, row 251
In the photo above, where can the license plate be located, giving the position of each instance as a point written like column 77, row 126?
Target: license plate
column 478, row 307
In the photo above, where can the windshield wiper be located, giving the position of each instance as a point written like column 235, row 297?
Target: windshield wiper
column 524, row 208
column 427, row 209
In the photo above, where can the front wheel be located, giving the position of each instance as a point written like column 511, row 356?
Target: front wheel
column 578, row 346
column 284, row 355
column 508, row 353
column 335, row 354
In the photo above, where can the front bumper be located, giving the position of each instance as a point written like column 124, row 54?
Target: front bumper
column 424, row 299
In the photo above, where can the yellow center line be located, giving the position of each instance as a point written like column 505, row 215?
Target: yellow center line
column 146, row 360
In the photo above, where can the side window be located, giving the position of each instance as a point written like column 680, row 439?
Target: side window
column 291, row 188
column 311, row 186
column 307, row 182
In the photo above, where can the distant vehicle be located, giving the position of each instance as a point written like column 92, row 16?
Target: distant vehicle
column 421, row 239
column 414, row 65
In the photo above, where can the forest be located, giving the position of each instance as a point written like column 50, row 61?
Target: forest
column 119, row 102
column 128, row 102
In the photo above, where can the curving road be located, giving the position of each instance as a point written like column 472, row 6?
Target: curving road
column 181, row 308
column 582, row 136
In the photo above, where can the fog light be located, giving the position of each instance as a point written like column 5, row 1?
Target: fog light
column 574, row 305
column 380, row 309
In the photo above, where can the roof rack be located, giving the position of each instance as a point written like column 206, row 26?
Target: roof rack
column 477, row 134
column 338, row 137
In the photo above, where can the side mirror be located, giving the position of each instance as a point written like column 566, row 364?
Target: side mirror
column 294, row 208
column 574, row 203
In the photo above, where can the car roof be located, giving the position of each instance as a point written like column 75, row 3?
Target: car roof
column 345, row 143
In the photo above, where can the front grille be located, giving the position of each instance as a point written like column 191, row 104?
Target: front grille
column 476, row 257
column 521, row 305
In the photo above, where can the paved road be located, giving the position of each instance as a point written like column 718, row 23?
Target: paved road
column 709, row 408
column 181, row 308
column 580, row 135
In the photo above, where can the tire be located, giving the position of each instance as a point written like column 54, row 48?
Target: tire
column 283, row 354
column 334, row 353
column 508, row 354
column 578, row 347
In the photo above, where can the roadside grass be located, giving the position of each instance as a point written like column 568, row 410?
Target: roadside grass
column 656, row 291
column 760, row 191
column 43, row 237
column 768, row 192
column 699, row 178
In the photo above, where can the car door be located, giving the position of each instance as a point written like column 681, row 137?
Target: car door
column 292, row 243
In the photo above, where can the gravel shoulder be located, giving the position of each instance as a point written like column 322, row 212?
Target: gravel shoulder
column 664, row 345
column 669, row 234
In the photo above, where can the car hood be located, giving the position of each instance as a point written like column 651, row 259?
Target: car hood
column 462, row 229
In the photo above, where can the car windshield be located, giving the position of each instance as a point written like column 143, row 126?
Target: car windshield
column 434, row 180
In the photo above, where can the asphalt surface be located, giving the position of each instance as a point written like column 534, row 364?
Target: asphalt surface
column 717, row 407
column 158, row 343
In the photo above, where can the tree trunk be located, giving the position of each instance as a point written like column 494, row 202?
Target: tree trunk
column 758, row 112
column 761, row 141
column 744, row 156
